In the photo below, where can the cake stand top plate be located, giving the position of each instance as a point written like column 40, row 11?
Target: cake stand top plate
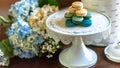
column 56, row 22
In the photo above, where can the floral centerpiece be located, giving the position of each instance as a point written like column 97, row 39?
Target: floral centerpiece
column 27, row 35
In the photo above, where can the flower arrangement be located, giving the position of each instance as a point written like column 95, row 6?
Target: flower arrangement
column 27, row 35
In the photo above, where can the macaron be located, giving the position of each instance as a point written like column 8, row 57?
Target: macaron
column 68, row 15
column 86, row 23
column 88, row 16
column 77, row 19
column 77, row 5
column 82, row 12
column 71, row 9
column 69, row 23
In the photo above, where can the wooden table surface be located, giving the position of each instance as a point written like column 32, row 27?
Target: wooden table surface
column 43, row 62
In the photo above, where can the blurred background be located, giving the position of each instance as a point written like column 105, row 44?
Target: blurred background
column 5, row 6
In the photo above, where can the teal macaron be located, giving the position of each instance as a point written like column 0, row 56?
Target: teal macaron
column 77, row 19
column 86, row 23
column 88, row 16
column 68, row 15
column 69, row 23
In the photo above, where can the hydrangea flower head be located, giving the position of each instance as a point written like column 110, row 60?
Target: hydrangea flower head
column 28, row 37
column 22, row 8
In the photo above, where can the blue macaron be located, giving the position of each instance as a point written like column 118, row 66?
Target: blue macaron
column 86, row 23
column 69, row 23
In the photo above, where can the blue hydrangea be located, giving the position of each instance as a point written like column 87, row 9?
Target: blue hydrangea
column 20, row 33
column 28, row 54
column 10, row 31
column 38, row 40
column 23, row 32
column 21, row 23
column 23, row 54
column 30, row 51
column 23, row 27
column 22, row 8
column 34, row 4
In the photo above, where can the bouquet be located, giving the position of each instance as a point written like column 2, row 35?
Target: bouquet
column 27, row 35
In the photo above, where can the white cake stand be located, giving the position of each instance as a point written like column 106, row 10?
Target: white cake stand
column 78, row 55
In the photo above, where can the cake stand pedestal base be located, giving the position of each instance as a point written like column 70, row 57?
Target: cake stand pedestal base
column 78, row 55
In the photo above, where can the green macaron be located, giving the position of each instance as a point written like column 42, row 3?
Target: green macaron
column 77, row 19
column 68, row 15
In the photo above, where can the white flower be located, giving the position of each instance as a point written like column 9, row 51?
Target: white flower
column 3, row 59
column 39, row 16
column 58, row 47
column 49, row 56
column 1, row 53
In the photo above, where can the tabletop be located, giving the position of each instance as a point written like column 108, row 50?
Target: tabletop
column 43, row 62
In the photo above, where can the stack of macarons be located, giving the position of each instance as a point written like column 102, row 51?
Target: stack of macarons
column 77, row 15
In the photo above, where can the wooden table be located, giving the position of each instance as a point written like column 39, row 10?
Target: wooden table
column 43, row 62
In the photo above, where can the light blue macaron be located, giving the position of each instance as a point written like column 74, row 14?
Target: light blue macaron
column 77, row 19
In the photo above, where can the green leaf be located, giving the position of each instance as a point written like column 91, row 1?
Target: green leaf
column 40, row 54
column 2, row 48
column 7, row 44
column 42, row 2
column 4, row 20
column 10, row 16
column 6, row 47
column 53, row 2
